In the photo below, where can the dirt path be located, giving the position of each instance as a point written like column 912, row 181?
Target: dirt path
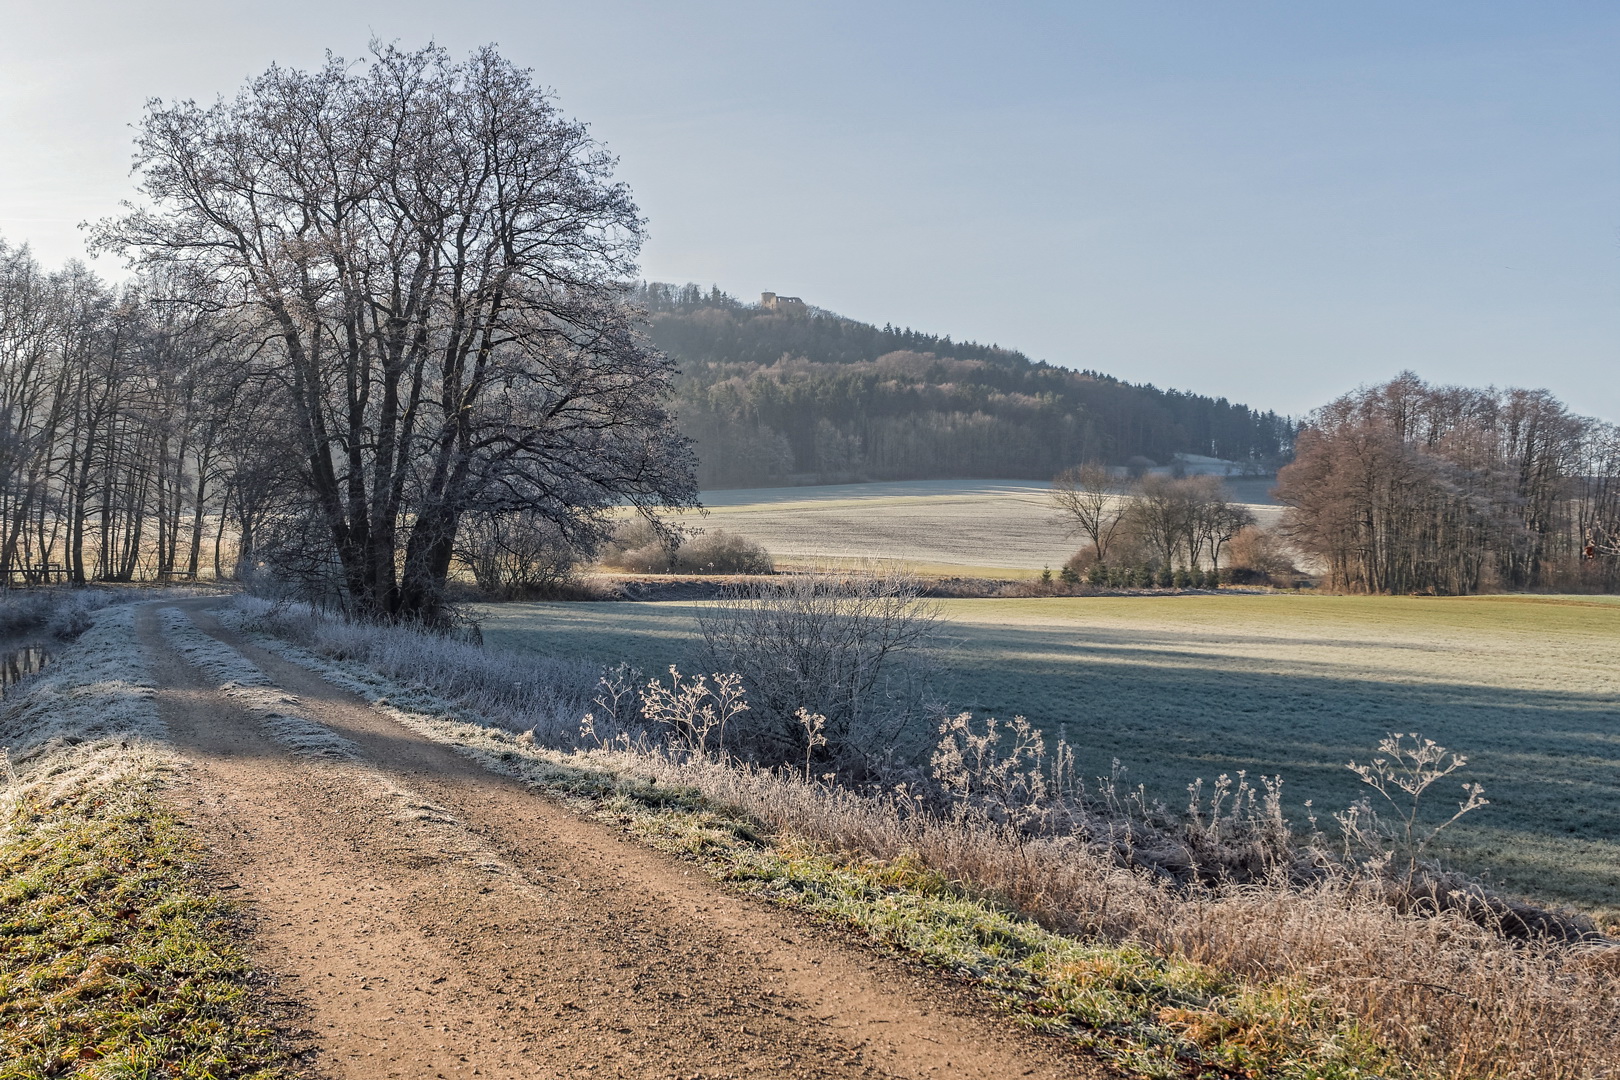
column 435, row 920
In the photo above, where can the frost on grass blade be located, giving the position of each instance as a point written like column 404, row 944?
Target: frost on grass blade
column 281, row 715
column 89, row 720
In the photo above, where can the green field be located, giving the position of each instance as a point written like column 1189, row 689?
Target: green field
column 997, row 528
column 1178, row 687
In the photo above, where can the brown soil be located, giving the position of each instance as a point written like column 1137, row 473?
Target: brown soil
column 431, row 919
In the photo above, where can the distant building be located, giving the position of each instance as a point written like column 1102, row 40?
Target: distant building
column 771, row 302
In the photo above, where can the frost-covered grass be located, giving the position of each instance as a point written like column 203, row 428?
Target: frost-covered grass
column 517, row 690
column 282, row 716
column 86, row 721
column 1179, row 687
column 115, row 958
column 1271, row 979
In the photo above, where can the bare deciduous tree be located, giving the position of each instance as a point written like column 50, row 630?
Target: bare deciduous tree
column 437, row 261
column 1215, row 519
column 1093, row 499
column 1408, row 487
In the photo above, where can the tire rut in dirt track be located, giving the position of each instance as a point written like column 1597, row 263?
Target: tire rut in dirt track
column 436, row 920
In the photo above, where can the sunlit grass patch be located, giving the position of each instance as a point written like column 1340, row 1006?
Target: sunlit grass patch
column 1155, row 1015
column 115, row 961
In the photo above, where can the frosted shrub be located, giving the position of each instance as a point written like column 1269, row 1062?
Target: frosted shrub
column 855, row 650
column 722, row 552
column 1007, row 784
column 1241, row 832
column 639, row 547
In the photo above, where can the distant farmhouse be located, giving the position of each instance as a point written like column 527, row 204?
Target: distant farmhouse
column 771, row 302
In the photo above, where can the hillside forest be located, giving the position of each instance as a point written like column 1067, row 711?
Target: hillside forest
column 799, row 395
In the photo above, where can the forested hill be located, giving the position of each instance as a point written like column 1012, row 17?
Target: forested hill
column 799, row 394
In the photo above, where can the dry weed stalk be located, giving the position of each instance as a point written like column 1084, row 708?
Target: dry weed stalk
column 692, row 709
column 1403, row 775
column 854, row 649
column 814, row 724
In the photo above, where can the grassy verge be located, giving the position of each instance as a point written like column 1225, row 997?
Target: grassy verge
column 115, row 960
column 1154, row 1015
column 1269, row 980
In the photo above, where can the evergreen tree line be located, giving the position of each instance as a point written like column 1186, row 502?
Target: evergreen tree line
column 772, row 396
column 1410, row 487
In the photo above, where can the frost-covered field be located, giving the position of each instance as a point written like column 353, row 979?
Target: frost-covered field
column 953, row 526
column 1181, row 687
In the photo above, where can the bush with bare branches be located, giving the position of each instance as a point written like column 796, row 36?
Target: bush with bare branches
column 640, row 547
column 856, row 650
column 516, row 556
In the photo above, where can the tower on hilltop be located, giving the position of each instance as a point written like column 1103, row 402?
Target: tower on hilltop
column 771, row 302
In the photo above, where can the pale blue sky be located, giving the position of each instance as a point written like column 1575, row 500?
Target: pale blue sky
column 1269, row 201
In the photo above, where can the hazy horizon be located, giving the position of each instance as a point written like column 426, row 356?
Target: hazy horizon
column 1264, row 203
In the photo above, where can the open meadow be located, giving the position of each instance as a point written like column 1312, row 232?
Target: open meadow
column 1180, row 687
column 1002, row 528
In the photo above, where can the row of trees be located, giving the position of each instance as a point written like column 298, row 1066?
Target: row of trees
column 1410, row 487
column 376, row 306
column 1156, row 522
column 771, row 396
column 128, row 429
